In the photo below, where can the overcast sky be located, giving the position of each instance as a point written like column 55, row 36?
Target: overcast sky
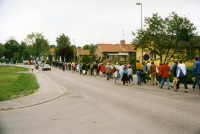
column 86, row 21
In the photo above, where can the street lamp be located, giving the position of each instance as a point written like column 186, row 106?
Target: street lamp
column 74, row 50
column 141, row 25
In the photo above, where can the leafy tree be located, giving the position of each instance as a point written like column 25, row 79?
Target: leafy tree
column 91, row 47
column 86, row 47
column 22, row 47
column 37, row 44
column 40, row 47
column 86, row 58
column 62, row 41
column 8, row 54
column 66, row 52
column 169, row 37
column 26, row 54
column 52, row 46
column 12, row 45
column 73, row 48
column 2, row 49
column 79, row 47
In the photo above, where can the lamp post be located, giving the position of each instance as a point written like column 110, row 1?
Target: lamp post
column 141, row 26
column 74, row 50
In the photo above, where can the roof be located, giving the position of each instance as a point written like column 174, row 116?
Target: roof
column 116, row 48
column 82, row 52
column 51, row 50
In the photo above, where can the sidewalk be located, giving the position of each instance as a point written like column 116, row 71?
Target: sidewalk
column 49, row 90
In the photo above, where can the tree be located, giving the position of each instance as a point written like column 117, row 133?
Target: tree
column 8, row 54
column 26, row 54
column 12, row 45
column 52, row 46
column 91, row 47
column 86, row 58
column 66, row 52
column 22, row 47
column 62, row 41
column 2, row 49
column 37, row 44
column 86, row 47
column 169, row 37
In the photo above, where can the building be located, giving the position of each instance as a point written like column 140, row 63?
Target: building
column 114, row 52
column 80, row 52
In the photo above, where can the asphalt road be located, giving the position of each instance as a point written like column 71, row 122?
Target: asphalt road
column 94, row 105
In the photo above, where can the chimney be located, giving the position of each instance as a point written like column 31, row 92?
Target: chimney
column 122, row 42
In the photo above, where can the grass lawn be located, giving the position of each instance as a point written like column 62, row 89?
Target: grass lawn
column 15, row 85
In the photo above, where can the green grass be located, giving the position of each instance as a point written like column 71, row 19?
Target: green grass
column 14, row 84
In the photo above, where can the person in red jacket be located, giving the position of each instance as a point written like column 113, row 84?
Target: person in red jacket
column 159, row 74
column 165, row 75
column 103, row 69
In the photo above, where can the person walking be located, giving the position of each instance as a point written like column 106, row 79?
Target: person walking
column 121, row 69
column 108, row 71
column 84, row 68
column 80, row 68
column 37, row 67
column 130, row 75
column 77, row 68
column 139, row 69
column 174, row 74
column 103, row 69
column 91, row 68
column 88, row 67
column 181, row 75
column 125, row 76
column 112, row 70
column 144, row 72
column 117, row 66
column 148, row 67
column 165, row 75
column 117, row 76
column 172, row 69
column 95, row 69
column 196, row 71
column 159, row 74
column 152, row 71
column 63, row 66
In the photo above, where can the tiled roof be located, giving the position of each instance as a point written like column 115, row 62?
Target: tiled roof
column 116, row 48
column 82, row 52
column 51, row 50
column 128, row 47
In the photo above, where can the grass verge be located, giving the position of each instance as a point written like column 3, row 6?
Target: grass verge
column 14, row 85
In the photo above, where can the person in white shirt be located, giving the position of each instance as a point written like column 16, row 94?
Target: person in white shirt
column 117, row 66
column 121, row 67
column 148, row 67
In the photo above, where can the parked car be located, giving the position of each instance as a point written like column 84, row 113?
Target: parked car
column 46, row 67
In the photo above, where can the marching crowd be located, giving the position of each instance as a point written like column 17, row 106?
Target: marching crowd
column 124, row 72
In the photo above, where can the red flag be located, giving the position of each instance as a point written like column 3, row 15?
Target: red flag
column 35, row 57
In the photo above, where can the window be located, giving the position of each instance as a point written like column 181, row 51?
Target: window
column 153, row 55
column 109, row 57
